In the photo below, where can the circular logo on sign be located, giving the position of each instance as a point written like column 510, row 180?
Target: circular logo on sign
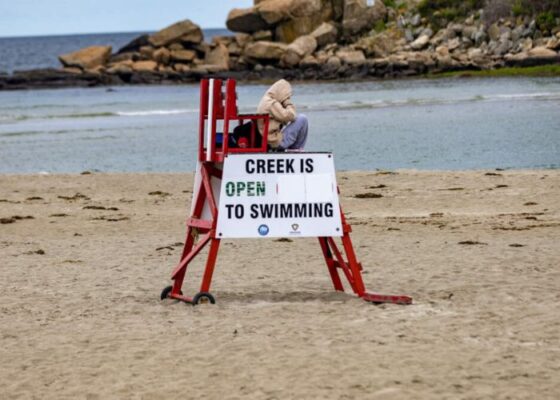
column 263, row 230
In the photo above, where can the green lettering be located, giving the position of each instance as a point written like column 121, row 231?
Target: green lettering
column 240, row 188
column 230, row 189
column 250, row 189
column 261, row 188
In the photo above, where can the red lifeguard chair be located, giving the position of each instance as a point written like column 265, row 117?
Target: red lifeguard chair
column 219, row 105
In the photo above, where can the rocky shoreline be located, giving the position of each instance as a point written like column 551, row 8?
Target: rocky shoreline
column 310, row 40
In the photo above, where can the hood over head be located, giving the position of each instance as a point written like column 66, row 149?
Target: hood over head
column 281, row 90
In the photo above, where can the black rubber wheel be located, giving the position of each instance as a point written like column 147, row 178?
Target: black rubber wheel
column 203, row 297
column 165, row 292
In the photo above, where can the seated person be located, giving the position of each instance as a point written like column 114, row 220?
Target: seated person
column 287, row 130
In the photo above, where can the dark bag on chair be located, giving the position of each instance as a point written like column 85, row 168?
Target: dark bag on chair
column 242, row 134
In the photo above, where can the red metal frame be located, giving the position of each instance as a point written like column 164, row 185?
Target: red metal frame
column 202, row 231
column 225, row 109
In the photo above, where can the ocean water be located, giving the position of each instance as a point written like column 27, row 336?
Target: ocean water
column 447, row 124
column 24, row 53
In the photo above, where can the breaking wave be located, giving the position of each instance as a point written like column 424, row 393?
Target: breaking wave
column 101, row 114
column 373, row 104
column 154, row 112
column 318, row 106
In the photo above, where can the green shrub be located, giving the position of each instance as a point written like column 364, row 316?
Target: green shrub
column 546, row 21
column 462, row 7
column 518, row 8
column 380, row 26
column 390, row 3
column 535, row 7
column 440, row 12
column 449, row 14
column 402, row 6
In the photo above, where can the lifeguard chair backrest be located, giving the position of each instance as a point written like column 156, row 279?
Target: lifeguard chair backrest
column 217, row 105
column 212, row 109
column 231, row 99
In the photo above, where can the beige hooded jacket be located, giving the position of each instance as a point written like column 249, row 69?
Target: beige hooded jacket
column 278, row 105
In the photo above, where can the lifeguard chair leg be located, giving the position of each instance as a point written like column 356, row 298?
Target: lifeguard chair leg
column 210, row 263
column 339, row 262
column 354, row 265
column 331, row 264
column 180, row 276
column 352, row 270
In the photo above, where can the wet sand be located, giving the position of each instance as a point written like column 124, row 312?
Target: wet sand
column 85, row 257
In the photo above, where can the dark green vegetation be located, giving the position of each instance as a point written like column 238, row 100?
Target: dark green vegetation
column 539, row 71
column 545, row 11
column 440, row 12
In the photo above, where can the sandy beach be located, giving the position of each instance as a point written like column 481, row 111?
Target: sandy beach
column 85, row 257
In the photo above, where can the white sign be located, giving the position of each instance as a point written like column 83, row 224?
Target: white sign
column 279, row 195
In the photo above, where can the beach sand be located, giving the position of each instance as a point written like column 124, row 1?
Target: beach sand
column 479, row 252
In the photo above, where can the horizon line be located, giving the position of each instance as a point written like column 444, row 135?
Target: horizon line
column 91, row 33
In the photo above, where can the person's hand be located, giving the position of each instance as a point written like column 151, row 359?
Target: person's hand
column 287, row 103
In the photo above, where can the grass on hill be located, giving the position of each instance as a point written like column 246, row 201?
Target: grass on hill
column 539, row 71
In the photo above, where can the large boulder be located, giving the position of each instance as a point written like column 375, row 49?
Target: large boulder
column 420, row 61
column 183, row 56
column 332, row 65
column 262, row 35
column 352, row 57
column 420, row 43
column 274, row 11
column 246, row 20
column 124, row 67
column 87, row 58
column 145, row 66
column 494, row 32
column 298, row 49
column 162, row 56
column 324, row 34
column 542, row 52
column 305, row 17
column 135, row 44
column 305, row 8
column 183, row 31
column 359, row 16
column 265, row 50
column 146, row 52
column 218, row 57
column 382, row 44
column 553, row 43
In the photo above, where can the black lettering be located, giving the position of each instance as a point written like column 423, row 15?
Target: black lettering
column 300, row 211
column 328, row 210
column 280, row 166
column 318, row 210
column 266, row 210
column 250, row 166
column 285, row 210
column 239, row 211
column 228, row 208
column 290, row 166
column 270, row 166
column 254, row 211
column 309, row 165
column 261, row 167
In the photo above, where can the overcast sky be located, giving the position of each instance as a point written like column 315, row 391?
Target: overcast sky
column 52, row 17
